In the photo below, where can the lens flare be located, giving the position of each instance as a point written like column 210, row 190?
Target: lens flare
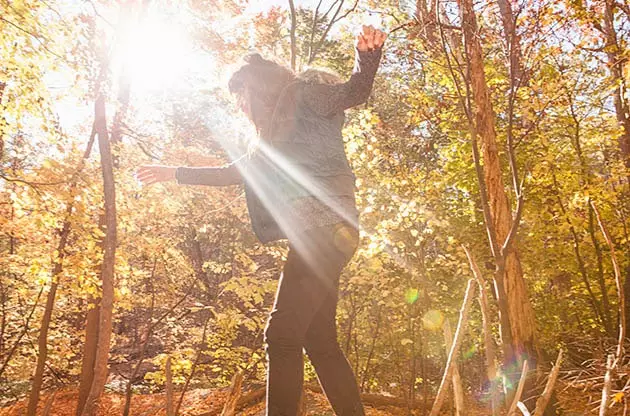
column 470, row 352
column 433, row 320
column 411, row 295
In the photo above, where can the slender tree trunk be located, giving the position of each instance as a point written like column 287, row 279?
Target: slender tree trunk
column 597, row 309
column 512, row 39
column 616, row 62
column 458, row 390
column 42, row 341
column 454, row 350
column 489, row 345
column 89, row 353
column 522, row 323
column 426, row 17
column 617, row 59
column 200, row 350
column 366, row 369
column 107, row 266
column 3, row 121
column 292, row 34
column 52, row 292
column 600, row 272
column 169, row 387
column 27, row 326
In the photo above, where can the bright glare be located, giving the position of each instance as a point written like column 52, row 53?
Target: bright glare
column 157, row 54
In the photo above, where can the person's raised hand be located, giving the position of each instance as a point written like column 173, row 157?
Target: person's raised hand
column 370, row 39
column 150, row 174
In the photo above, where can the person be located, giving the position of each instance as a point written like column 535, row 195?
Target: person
column 299, row 186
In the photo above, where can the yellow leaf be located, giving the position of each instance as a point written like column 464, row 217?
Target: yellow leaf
column 618, row 397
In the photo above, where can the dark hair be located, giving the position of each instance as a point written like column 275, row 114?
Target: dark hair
column 267, row 80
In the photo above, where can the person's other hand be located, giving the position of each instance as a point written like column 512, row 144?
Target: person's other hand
column 150, row 174
column 369, row 39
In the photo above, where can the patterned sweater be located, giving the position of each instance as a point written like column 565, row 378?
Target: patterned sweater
column 300, row 179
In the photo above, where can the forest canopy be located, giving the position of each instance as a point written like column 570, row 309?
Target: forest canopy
column 492, row 164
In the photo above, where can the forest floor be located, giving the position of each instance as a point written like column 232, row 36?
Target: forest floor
column 205, row 402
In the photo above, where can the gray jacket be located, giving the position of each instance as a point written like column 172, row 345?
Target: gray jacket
column 302, row 176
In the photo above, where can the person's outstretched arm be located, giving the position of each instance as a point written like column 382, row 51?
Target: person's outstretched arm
column 210, row 176
column 329, row 99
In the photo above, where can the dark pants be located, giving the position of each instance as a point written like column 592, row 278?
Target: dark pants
column 303, row 317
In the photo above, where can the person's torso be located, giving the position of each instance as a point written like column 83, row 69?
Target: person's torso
column 300, row 168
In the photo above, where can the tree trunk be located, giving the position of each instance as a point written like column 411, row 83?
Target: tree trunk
column 454, row 350
column 521, row 316
column 292, row 34
column 107, row 266
column 89, row 353
column 54, row 284
column 458, row 390
column 42, row 341
column 489, row 345
column 513, row 41
column 3, row 121
column 169, row 387
column 617, row 60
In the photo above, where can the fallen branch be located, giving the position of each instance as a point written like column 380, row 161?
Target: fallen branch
column 257, row 395
column 375, row 400
column 463, row 317
column 49, row 403
column 543, row 400
column 244, row 401
column 610, row 365
column 519, row 390
column 491, row 368
column 229, row 409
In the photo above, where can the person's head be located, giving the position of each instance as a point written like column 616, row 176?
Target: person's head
column 257, row 86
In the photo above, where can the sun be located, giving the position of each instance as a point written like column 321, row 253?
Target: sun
column 157, row 53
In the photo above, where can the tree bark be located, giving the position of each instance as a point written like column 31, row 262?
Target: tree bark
column 107, row 266
column 521, row 316
column 616, row 62
column 169, row 388
column 89, row 353
column 458, row 390
column 610, row 366
column 3, row 121
column 617, row 59
column 512, row 39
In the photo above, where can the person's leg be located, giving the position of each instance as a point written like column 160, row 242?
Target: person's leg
column 309, row 279
column 300, row 294
column 333, row 370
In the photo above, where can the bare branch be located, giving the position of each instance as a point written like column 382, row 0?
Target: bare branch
column 450, row 362
column 519, row 390
column 618, row 281
column 543, row 400
column 490, row 347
